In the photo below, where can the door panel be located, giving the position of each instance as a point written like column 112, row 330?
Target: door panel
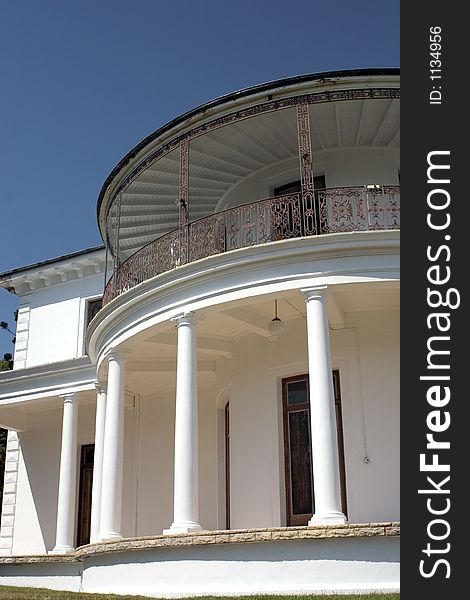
column 300, row 462
column 297, row 448
column 84, row 494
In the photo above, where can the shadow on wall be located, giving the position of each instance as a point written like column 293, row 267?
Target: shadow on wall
column 40, row 451
column 373, row 550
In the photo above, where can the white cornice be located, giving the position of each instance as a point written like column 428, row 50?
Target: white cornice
column 55, row 273
column 48, row 380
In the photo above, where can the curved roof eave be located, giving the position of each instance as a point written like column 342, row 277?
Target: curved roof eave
column 252, row 90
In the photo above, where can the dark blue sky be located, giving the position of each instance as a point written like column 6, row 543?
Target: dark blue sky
column 83, row 81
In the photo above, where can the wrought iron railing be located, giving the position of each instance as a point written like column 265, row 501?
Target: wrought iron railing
column 333, row 210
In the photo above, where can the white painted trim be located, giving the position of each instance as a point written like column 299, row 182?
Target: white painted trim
column 83, row 310
column 22, row 336
column 12, row 461
column 278, row 480
column 46, row 381
column 342, row 364
column 221, row 474
column 221, row 398
column 56, row 272
column 254, row 271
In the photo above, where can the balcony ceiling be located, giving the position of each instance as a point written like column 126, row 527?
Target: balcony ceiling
column 224, row 327
column 223, row 158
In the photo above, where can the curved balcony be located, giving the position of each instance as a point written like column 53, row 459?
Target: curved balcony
column 328, row 211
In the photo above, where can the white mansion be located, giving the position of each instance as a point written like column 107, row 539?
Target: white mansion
column 208, row 404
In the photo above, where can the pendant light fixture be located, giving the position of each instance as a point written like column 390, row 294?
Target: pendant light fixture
column 276, row 326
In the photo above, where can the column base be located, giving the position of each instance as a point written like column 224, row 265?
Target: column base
column 331, row 518
column 62, row 550
column 184, row 527
column 108, row 536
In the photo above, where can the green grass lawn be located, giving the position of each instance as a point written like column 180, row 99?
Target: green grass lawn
column 23, row 593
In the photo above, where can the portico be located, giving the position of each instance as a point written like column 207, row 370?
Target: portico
column 321, row 307
column 107, row 479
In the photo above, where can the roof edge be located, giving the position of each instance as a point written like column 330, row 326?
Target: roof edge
column 6, row 274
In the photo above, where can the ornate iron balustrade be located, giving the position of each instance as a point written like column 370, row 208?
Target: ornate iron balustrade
column 333, row 210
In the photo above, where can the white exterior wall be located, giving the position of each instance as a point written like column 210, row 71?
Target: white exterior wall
column 36, row 503
column 370, row 395
column 53, row 321
column 38, row 477
column 148, row 480
column 355, row 564
column 156, row 462
column 341, row 167
column 374, row 488
column 227, row 570
column 37, row 487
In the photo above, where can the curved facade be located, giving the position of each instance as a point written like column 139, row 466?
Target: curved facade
column 246, row 355
column 305, row 156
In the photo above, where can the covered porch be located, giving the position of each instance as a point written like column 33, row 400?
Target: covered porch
column 206, row 422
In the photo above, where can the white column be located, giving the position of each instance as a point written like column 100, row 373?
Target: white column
column 98, row 463
column 67, row 478
column 322, row 412
column 186, row 429
column 112, row 473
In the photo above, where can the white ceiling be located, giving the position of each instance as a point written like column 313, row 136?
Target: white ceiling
column 153, row 352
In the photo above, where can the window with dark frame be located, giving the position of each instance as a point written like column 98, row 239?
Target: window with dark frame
column 93, row 307
column 295, row 187
column 297, row 450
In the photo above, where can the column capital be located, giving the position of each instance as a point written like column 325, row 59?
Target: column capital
column 317, row 291
column 118, row 354
column 100, row 387
column 186, row 318
column 68, row 397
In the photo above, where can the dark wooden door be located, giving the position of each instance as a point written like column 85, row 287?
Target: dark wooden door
column 339, row 433
column 298, row 451
column 84, row 494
